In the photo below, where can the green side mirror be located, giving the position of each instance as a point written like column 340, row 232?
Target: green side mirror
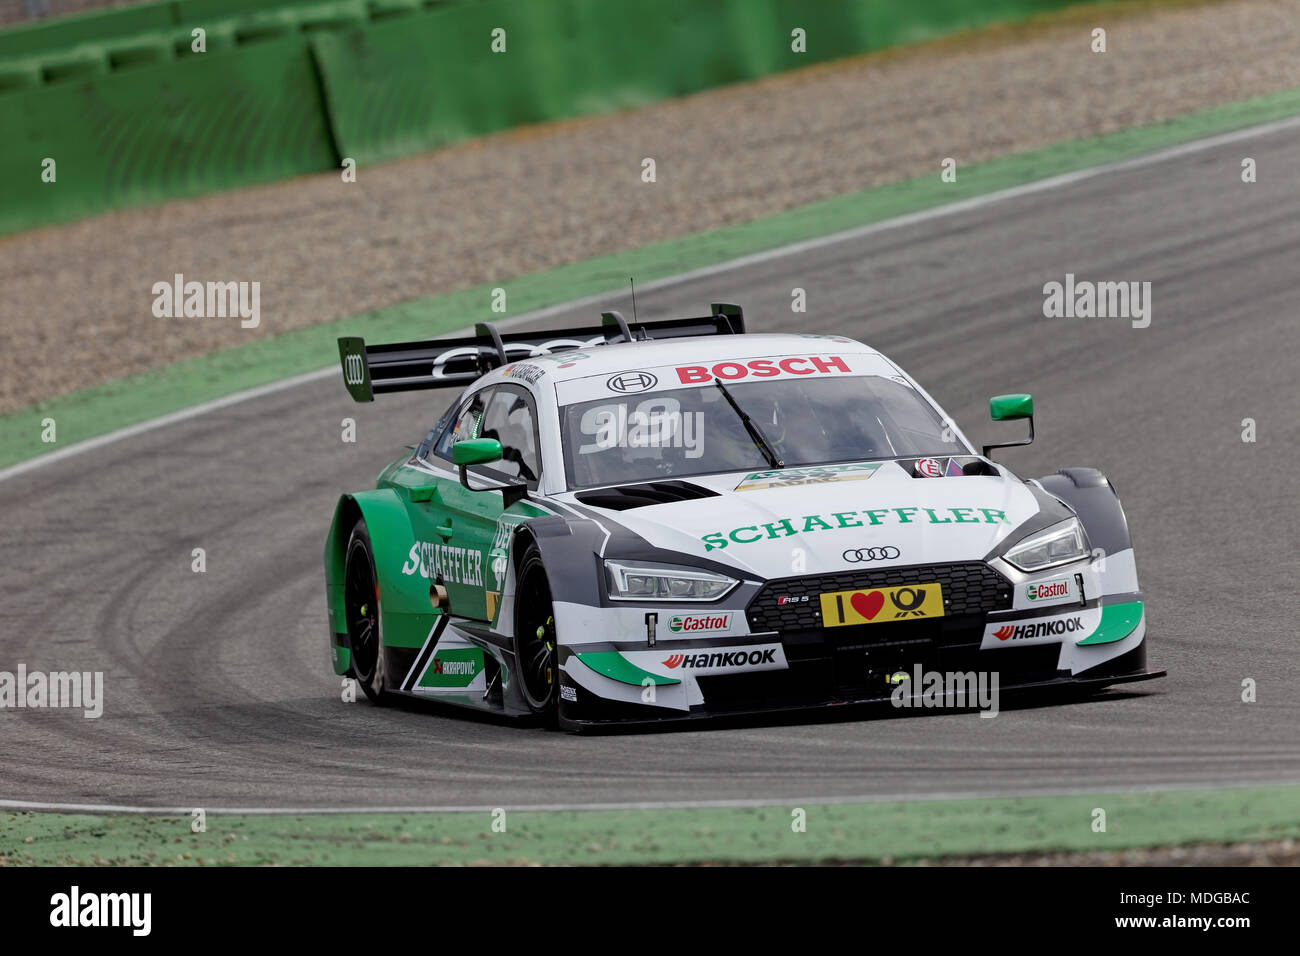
column 475, row 451
column 1005, row 408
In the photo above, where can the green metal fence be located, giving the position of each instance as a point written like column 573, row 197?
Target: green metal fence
column 129, row 113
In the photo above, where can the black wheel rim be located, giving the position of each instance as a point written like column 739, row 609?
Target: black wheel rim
column 361, row 604
column 538, row 660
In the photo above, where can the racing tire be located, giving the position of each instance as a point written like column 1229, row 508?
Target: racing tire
column 535, row 646
column 361, row 606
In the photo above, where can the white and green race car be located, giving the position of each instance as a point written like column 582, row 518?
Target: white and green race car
column 664, row 520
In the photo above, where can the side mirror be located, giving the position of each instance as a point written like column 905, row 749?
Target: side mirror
column 1005, row 408
column 475, row 451
column 484, row 451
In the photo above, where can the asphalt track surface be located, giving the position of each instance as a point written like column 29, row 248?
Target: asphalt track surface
column 218, row 686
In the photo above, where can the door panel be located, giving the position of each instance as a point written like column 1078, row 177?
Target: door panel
column 461, row 539
column 428, row 485
column 506, row 414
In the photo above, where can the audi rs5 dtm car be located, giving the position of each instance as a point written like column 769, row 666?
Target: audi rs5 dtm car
column 658, row 520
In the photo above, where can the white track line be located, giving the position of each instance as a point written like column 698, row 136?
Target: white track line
column 780, row 252
column 194, row 411
column 40, row 806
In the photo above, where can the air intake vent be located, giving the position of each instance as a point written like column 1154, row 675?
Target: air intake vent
column 639, row 496
column 968, row 588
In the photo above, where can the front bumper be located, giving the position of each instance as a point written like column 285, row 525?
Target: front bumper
column 812, row 685
column 1089, row 632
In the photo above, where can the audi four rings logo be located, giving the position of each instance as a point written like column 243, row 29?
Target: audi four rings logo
column 632, row 382
column 354, row 369
column 858, row 555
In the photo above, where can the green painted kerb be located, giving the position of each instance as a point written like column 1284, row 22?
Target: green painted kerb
column 899, row 832
column 615, row 666
column 1118, row 621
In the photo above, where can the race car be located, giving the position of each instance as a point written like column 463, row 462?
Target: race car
column 664, row 520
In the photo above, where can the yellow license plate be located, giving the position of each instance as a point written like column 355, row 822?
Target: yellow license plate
column 874, row 605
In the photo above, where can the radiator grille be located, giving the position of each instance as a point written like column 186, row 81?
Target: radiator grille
column 968, row 588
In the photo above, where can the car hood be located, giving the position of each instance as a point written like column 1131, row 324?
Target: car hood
column 828, row 522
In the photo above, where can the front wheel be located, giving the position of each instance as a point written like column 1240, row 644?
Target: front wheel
column 536, row 649
column 361, row 604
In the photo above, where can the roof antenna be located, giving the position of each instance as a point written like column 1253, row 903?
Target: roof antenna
column 632, row 283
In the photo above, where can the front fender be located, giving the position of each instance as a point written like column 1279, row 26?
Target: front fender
column 570, row 552
column 1122, row 628
column 1094, row 500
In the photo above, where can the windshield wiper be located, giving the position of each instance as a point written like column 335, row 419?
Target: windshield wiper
column 751, row 426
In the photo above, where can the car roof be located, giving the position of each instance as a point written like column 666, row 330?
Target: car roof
column 625, row 356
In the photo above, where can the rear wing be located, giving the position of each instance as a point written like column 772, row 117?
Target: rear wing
column 369, row 370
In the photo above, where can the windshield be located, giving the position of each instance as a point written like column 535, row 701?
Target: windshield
column 695, row 431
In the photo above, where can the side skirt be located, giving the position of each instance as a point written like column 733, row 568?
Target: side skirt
column 455, row 666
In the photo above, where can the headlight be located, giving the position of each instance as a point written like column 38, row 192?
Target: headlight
column 1059, row 544
column 634, row 581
